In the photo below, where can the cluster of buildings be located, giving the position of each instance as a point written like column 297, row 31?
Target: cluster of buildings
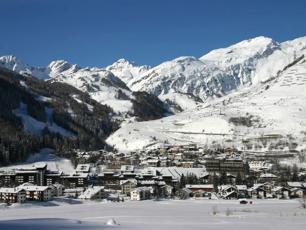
column 90, row 181
column 173, row 171
column 257, row 191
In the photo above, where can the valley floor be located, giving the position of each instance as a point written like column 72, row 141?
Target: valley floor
column 173, row 214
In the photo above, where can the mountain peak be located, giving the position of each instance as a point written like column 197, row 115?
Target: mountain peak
column 123, row 60
column 241, row 52
column 8, row 58
column 11, row 59
column 58, row 66
column 126, row 70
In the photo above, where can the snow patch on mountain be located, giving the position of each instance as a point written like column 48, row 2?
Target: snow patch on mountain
column 102, row 86
column 35, row 127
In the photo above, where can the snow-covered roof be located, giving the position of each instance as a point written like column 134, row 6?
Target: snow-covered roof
column 241, row 187
column 83, row 168
column 73, row 190
column 199, row 186
column 90, row 192
column 134, row 181
column 76, row 175
column 129, row 168
column 147, row 182
column 34, row 188
column 268, row 175
column 142, row 189
column 177, row 172
column 296, row 184
column 11, row 190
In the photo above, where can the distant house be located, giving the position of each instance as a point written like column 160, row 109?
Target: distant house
column 127, row 186
column 228, row 191
column 75, row 180
column 267, row 177
column 296, row 184
column 73, row 192
column 53, row 177
column 297, row 192
column 188, row 164
column 297, row 189
column 34, row 174
column 57, row 189
column 166, row 191
column 259, row 165
column 242, row 191
column 127, row 168
column 141, row 193
column 154, row 162
column 37, row 193
column 109, row 179
column 93, row 193
column 201, row 190
column 231, row 178
column 261, row 191
column 281, row 192
column 232, row 166
column 184, row 193
column 12, row 195
column 200, row 187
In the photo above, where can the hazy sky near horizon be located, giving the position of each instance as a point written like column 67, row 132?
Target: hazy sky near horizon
column 97, row 33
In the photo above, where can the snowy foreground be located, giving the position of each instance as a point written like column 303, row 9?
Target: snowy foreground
column 191, row 214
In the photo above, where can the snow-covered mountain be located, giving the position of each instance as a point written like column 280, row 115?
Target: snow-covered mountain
column 251, row 89
column 270, row 115
column 126, row 70
column 219, row 72
column 182, row 83
column 13, row 63
column 100, row 83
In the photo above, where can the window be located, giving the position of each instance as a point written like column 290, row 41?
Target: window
column 49, row 181
column 80, row 181
column 7, row 179
column 19, row 179
column 31, row 179
column 72, row 185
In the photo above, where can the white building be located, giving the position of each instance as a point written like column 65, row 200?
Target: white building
column 93, row 193
column 57, row 189
column 259, row 165
column 12, row 195
column 38, row 193
column 141, row 193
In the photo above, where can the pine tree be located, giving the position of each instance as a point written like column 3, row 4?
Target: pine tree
column 182, row 181
column 295, row 176
column 223, row 178
column 239, row 179
column 215, row 182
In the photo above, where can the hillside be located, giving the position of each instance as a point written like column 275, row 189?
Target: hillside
column 188, row 81
column 268, row 116
column 249, row 95
column 100, row 83
column 36, row 114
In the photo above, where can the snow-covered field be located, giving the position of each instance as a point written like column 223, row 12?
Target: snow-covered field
column 190, row 214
